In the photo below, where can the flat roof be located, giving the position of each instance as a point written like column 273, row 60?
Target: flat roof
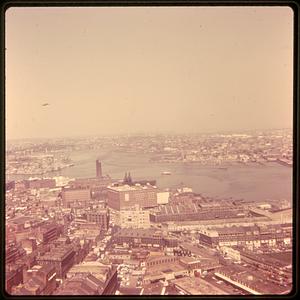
column 197, row 286
column 127, row 188
column 164, row 268
column 138, row 232
column 253, row 279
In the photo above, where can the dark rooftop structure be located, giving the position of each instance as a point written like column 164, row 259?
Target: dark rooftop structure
column 81, row 284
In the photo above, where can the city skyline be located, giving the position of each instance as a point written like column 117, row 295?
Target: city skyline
column 106, row 71
column 149, row 133
column 149, row 151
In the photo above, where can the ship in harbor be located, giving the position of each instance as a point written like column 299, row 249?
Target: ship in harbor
column 285, row 162
column 166, row 173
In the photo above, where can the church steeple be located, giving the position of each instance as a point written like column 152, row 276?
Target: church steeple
column 129, row 180
column 125, row 180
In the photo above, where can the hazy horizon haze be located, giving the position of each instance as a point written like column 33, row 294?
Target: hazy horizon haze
column 116, row 70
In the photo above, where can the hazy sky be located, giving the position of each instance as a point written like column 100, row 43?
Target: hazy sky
column 134, row 69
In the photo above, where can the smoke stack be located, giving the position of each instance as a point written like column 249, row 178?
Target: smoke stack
column 98, row 169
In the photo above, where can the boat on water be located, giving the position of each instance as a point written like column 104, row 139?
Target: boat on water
column 166, row 173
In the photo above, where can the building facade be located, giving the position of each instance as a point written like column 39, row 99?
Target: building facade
column 100, row 217
column 76, row 197
column 248, row 236
column 125, row 196
column 62, row 258
column 133, row 218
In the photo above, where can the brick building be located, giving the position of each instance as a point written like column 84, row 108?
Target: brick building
column 76, row 197
column 144, row 237
column 49, row 232
column 13, row 277
column 99, row 216
column 40, row 183
column 39, row 280
column 61, row 257
column 248, row 236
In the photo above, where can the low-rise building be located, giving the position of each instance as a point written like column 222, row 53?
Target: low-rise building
column 231, row 253
column 61, row 257
column 49, row 232
column 39, row 183
column 106, row 275
column 133, row 217
column 144, row 237
column 163, row 268
column 196, row 286
column 248, row 236
column 99, row 216
column 76, row 197
column 13, row 277
column 39, row 280
column 255, row 283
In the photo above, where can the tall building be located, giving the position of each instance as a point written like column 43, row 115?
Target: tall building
column 125, row 196
column 98, row 169
column 97, row 185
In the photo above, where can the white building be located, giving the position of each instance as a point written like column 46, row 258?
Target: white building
column 62, row 180
column 163, row 197
column 133, row 217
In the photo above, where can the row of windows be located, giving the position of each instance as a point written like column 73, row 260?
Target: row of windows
column 162, row 261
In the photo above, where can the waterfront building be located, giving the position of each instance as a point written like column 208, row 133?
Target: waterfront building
column 124, row 196
column 39, row 183
column 248, row 236
column 97, row 185
column 193, row 212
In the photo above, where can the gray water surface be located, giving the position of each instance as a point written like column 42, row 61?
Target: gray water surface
column 250, row 182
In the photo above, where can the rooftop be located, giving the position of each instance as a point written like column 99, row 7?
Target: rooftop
column 256, row 280
column 57, row 253
column 126, row 188
column 138, row 232
column 81, row 284
column 197, row 286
